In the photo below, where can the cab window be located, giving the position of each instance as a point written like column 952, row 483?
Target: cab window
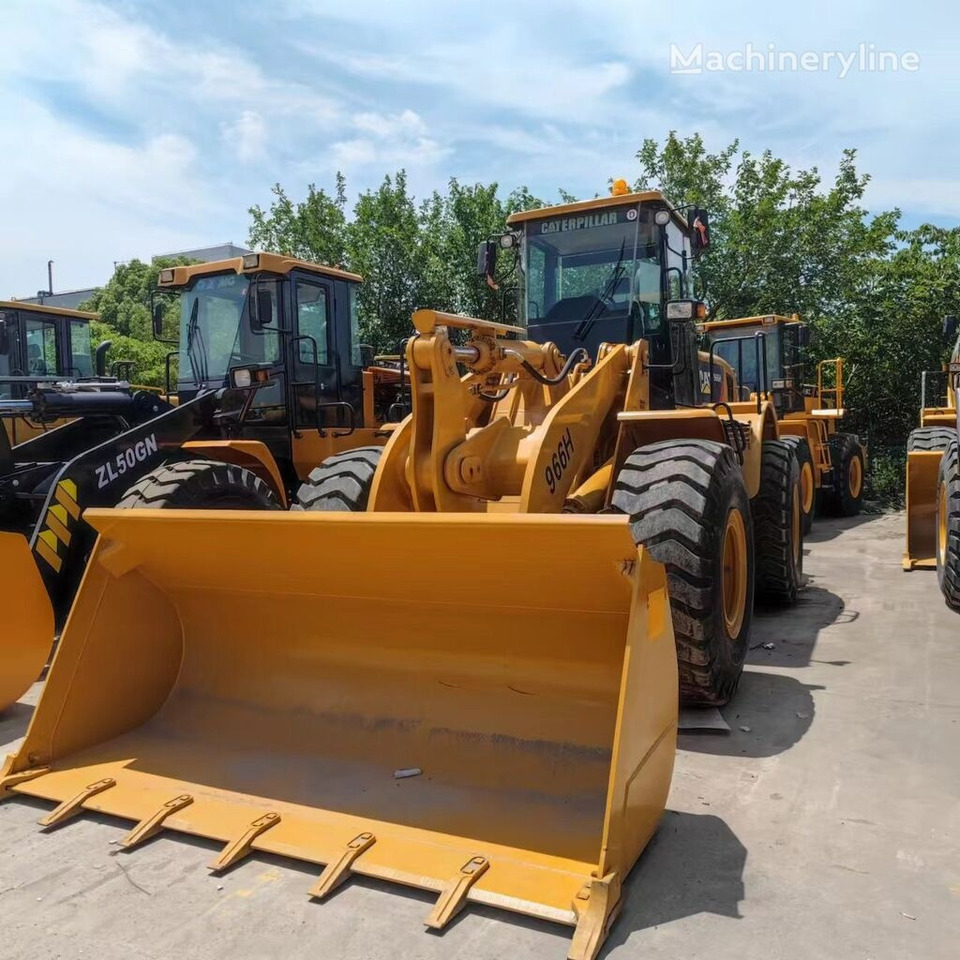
column 312, row 313
column 41, row 348
column 81, row 357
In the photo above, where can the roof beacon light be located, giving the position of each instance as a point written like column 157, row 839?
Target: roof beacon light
column 619, row 187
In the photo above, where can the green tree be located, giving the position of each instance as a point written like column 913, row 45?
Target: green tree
column 124, row 308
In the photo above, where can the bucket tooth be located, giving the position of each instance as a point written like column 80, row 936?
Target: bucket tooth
column 147, row 827
column 74, row 805
column 238, row 848
column 454, row 894
column 597, row 906
column 8, row 782
column 336, row 871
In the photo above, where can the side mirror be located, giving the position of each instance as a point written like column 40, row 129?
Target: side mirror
column 158, row 319
column 950, row 327
column 4, row 337
column 261, row 309
column 100, row 358
column 699, row 231
column 367, row 355
column 487, row 260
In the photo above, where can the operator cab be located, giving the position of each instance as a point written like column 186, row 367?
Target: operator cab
column 292, row 323
column 766, row 354
column 40, row 343
column 604, row 271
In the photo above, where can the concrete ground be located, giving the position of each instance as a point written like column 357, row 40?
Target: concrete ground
column 825, row 825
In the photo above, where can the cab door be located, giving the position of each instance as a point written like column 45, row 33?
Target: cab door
column 313, row 371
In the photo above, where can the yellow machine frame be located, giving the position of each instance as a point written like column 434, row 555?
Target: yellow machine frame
column 922, row 498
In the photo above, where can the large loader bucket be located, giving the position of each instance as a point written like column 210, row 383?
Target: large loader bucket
column 27, row 635
column 265, row 680
column 923, row 467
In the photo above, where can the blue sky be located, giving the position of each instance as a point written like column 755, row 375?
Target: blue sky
column 134, row 128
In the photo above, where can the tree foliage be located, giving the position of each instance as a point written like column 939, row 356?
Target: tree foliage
column 125, row 320
column 411, row 255
column 784, row 240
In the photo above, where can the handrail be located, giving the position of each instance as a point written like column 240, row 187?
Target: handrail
column 836, row 391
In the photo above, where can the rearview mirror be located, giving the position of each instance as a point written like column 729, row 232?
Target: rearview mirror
column 100, row 358
column 487, row 259
column 261, row 309
column 949, row 326
column 699, row 231
column 158, row 319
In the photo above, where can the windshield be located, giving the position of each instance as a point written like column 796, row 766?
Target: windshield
column 215, row 333
column 741, row 353
column 600, row 263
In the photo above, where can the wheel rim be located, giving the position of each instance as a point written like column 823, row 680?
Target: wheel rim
column 806, row 487
column 734, row 573
column 796, row 526
column 942, row 524
column 855, row 476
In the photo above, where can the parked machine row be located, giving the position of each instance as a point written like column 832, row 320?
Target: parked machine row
column 510, row 557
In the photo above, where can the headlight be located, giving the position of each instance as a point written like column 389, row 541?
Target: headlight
column 680, row 310
column 661, row 218
column 251, row 261
column 242, row 378
column 166, row 276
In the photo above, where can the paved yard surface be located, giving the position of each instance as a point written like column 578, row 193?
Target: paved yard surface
column 825, row 825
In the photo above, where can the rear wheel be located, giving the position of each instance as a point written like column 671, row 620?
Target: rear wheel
column 930, row 438
column 846, row 492
column 340, row 483
column 778, row 525
column 688, row 506
column 948, row 525
column 200, row 484
column 808, row 480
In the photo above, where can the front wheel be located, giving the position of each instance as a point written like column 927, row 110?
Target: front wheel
column 808, row 480
column 688, row 506
column 846, row 492
column 948, row 525
column 200, row 485
column 778, row 525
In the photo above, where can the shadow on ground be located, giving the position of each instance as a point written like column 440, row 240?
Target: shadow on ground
column 768, row 715
column 14, row 721
column 694, row 864
column 827, row 528
column 787, row 637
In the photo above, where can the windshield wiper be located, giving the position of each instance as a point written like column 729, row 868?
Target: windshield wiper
column 593, row 314
column 196, row 351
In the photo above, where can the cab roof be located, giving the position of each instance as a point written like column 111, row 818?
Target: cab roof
column 597, row 203
column 42, row 308
column 248, row 264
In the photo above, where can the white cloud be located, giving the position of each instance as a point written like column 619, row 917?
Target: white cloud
column 388, row 141
column 246, row 136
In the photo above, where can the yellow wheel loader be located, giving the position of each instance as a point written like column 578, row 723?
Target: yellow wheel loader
column 272, row 380
column 933, row 477
column 832, row 463
column 463, row 674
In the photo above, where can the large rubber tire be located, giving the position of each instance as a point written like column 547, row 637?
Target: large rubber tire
column 930, row 438
column 341, row 482
column 808, row 480
column 948, row 525
column 846, row 492
column 200, row 485
column 688, row 506
column 778, row 525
